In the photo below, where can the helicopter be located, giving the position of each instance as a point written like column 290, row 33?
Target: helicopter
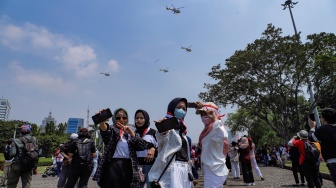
column 164, row 70
column 175, row 10
column 188, row 49
column 105, row 73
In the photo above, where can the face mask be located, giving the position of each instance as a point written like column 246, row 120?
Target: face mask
column 179, row 113
column 205, row 120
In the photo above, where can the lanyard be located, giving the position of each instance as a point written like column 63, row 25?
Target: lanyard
column 144, row 133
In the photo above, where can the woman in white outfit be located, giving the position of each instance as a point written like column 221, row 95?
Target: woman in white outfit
column 234, row 160
column 214, row 144
column 173, row 144
column 253, row 159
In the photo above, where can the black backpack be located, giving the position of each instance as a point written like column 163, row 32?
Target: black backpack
column 84, row 151
column 6, row 152
column 312, row 153
column 29, row 155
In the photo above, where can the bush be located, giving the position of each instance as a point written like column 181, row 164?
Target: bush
column 45, row 161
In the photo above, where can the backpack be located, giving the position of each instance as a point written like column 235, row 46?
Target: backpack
column 29, row 155
column 312, row 153
column 6, row 152
column 84, row 151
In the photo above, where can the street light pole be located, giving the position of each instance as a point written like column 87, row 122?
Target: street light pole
column 16, row 125
column 289, row 4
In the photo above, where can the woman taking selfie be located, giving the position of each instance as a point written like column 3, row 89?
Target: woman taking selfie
column 119, row 166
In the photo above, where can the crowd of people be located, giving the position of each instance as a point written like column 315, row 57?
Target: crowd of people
column 146, row 157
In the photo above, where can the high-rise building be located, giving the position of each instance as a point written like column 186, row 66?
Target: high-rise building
column 5, row 108
column 46, row 120
column 74, row 124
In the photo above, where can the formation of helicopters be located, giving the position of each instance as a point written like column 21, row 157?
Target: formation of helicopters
column 175, row 10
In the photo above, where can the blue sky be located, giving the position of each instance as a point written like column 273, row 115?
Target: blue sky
column 52, row 52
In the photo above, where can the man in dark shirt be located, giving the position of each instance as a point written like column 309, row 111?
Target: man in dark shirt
column 65, row 165
column 81, row 154
column 326, row 135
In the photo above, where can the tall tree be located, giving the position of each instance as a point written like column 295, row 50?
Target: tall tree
column 266, row 79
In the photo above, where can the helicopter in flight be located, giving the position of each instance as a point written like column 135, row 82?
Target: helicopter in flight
column 188, row 49
column 105, row 73
column 164, row 70
column 175, row 10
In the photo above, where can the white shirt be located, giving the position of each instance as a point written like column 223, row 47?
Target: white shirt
column 122, row 150
column 212, row 149
column 150, row 139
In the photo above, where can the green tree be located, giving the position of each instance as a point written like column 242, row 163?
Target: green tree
column 267, row 79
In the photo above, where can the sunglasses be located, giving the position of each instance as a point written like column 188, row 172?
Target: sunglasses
column 118, row 118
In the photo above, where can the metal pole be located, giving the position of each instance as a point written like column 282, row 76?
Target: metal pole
column 290, row 10
column 290, row 5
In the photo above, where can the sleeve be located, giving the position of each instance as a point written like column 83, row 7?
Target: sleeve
column 140, row 144
column 73, row 147
column 13, row 149
column 93, row 148
column 220, row 135
column 315, row 135
column 106, row 135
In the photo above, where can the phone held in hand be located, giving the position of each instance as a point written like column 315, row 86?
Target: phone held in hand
column 167, row 124
column 102, row 116
column 191, row 105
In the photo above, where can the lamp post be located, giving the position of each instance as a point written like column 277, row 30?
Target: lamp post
column 289, row 4
column 16, row 125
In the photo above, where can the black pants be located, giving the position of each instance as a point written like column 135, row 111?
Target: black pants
column 297, row 168
column 247, row 171
column 83, row 172
column 119, row 173
column 311, row 174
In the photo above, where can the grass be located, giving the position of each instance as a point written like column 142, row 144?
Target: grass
column 323, row 166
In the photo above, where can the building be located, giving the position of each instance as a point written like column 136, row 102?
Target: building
column 74, row 124
column 48, row 119
column 5, row 108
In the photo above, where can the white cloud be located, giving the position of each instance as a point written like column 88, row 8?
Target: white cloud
column 78, row 58
column 113, row 66
column 39, row 79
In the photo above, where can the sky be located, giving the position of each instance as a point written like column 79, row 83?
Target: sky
column 52, row 52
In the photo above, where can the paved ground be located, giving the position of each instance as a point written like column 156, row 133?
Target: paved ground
column 274, row 177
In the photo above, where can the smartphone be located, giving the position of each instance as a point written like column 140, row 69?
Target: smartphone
column 102, row 116
column 191, row 105
column 167, row 124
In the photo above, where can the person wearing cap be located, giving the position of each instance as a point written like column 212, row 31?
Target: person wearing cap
column 17, row 170
column 326, row 135
column 81, row 168
column 65, row 165
column 214, row 144
column 120, row 153
column 174, row 151
column 309, row 169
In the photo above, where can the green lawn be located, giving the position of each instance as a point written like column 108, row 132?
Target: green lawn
column 323, row 166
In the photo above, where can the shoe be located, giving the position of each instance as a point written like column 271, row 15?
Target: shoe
column 252, row 184
column 302, row 184
column 262, row 179
column 296, row 185
column 247, row 184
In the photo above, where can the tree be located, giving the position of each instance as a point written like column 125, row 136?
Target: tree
column 321, row 55
column 267, row 79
